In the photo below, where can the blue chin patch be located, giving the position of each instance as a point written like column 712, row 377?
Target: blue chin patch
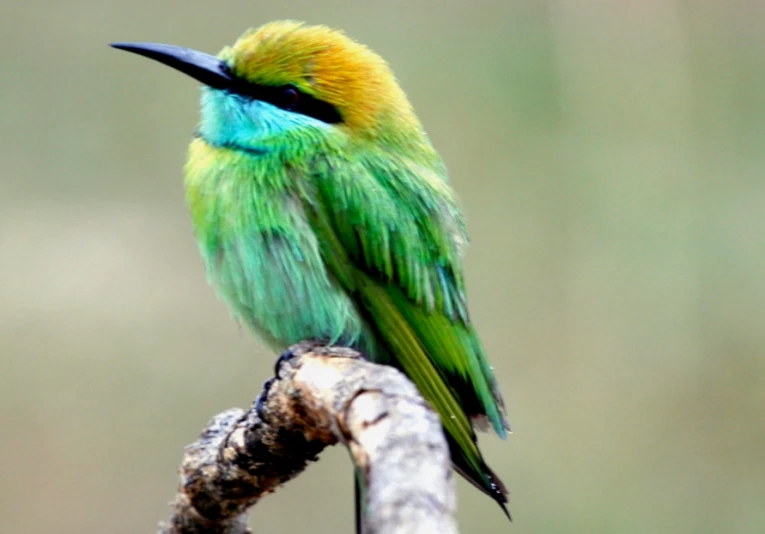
column 251, row 125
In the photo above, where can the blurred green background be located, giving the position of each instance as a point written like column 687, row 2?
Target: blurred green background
column 611, row 157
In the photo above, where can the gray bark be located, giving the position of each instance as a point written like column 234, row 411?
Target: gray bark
column 321, row 396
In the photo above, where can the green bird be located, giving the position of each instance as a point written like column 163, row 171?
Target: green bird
column 322, row 211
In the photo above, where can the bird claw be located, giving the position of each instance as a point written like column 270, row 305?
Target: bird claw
column 260, row 404
column 284, row 357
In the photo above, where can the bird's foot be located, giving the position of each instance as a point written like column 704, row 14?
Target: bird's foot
column 260, row 403
column 284, row 357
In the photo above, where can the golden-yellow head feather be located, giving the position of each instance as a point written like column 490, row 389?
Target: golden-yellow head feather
column 329, row 66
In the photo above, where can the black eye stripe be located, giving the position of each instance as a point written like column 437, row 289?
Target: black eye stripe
column 302, row 103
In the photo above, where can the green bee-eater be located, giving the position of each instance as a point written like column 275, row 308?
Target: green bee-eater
column 323, row 212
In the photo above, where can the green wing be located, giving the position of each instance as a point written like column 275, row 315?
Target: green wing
column 391, row 233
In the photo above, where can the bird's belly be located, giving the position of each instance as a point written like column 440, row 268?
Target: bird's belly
column 271, row 288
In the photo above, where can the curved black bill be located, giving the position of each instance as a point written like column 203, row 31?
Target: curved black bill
column 203, row 67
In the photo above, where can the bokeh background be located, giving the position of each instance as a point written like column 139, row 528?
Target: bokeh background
column 611, row 158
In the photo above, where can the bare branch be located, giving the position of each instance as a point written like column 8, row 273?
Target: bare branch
column 321, row 396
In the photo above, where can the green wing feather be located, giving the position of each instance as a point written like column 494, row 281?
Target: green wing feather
column 391, row 234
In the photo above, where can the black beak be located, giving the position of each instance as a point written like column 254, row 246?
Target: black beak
column 205, row 68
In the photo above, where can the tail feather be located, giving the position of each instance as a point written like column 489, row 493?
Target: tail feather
column 410, row 356
column 485, row 480
column 358, row 502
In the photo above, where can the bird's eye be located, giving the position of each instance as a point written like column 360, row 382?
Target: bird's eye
column 290, row 97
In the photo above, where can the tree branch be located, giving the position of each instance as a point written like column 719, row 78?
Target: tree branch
column 320, row 396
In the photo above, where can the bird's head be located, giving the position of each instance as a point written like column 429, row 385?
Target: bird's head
column 287, row 76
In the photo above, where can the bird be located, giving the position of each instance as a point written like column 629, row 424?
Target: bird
column 322, row 211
